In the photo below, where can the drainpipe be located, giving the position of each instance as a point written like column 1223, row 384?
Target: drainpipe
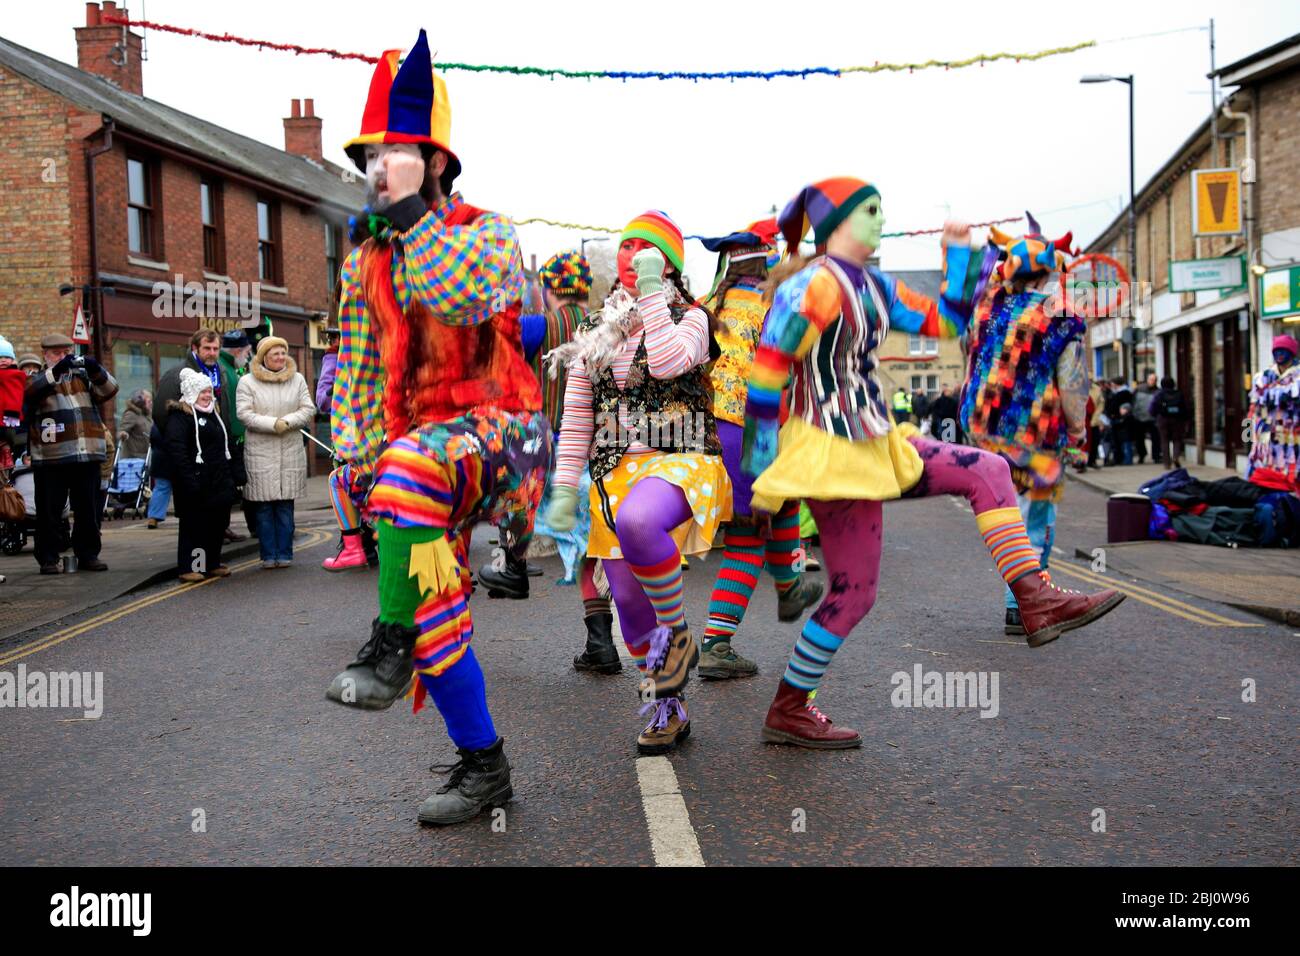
column 107, row 130
column 1248, row 170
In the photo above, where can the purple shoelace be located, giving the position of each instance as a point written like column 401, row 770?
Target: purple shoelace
column 664, row 709
column 660, row 638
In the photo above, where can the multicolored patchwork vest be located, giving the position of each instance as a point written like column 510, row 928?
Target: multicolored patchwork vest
column 678, row 412
column 1010, row 403
column 835, row 386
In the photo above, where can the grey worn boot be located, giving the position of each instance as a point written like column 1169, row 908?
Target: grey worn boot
column 480, row 779
column 382, row 671
column 791, row 604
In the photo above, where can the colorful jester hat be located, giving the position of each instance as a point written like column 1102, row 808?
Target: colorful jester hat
column 567, row 274
column 407, row 103
column 755, row 241
column 821, row 207
column 1031, row 254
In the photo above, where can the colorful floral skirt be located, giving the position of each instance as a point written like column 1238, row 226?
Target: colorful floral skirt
column 702, row 478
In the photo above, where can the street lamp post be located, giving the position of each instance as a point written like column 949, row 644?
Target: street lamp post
column 1132, row 195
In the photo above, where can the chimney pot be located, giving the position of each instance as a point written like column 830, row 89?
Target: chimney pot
column 109, row 51
column 293, row 109
column 309, row 108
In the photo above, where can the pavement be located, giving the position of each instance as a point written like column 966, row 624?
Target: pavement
column 136, row 555
column 1163, row 734
column 1260, row 580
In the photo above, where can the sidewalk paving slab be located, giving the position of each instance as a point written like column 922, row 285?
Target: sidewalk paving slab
column 1264, row 581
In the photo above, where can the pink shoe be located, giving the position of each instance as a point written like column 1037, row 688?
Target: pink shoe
column 350, row 556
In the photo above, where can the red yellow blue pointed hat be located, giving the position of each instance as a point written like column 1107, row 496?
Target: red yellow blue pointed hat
column 407, row 103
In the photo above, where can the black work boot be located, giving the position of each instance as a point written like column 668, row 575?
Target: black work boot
column 1014, row 626
column 509, row 582
column 382, row 671
column 368, row 545
column 600, row 656
column 480, row 779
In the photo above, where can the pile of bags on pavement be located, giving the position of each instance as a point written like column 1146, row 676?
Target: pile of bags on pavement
column 1260, row 513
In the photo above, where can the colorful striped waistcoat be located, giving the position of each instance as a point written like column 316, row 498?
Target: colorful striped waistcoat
column 1011, row 403
column 835, row 386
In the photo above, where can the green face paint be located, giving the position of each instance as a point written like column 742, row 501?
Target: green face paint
column 867, row 222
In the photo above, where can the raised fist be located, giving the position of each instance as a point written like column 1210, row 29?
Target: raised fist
column 403, row 173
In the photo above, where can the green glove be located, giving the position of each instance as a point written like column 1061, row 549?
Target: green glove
column 562, row 515
column 649, row 266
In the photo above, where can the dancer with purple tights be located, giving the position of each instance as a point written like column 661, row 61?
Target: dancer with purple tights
column 639, row 408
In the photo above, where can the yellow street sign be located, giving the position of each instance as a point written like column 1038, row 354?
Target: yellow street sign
column 1216, row 202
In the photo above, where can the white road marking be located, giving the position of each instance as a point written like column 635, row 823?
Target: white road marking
column 672, row 839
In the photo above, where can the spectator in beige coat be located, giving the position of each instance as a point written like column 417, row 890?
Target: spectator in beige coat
column 273, row 403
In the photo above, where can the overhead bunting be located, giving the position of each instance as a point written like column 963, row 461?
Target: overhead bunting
column 978, row 59
column 885, row 235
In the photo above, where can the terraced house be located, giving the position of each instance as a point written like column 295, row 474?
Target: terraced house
column 153, row 220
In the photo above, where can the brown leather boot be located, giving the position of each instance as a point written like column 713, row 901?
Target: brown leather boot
column 792, row 719
column 669, row 725
column 1048, row 611
column 669, row 661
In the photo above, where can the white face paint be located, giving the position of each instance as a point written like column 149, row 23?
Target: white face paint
column 376, row 185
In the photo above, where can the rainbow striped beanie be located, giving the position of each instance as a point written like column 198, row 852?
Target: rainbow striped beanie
column 821, row 207
column 661, row 232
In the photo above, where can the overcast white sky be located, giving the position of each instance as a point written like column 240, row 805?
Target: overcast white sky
column 982, row 143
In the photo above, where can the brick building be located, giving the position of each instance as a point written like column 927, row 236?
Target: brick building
column 188, row 223
column 1212, row 340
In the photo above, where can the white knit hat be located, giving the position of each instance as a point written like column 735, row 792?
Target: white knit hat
column 192, row 383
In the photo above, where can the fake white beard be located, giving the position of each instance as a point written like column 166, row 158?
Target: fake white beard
column 598, row 347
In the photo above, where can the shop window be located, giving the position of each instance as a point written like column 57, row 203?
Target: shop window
column 133, row 369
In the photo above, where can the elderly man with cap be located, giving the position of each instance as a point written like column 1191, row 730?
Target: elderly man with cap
column 67, row 445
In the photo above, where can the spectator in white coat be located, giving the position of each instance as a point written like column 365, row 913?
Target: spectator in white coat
column 273, row 403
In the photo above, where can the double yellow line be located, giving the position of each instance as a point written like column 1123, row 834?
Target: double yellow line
column 313, row 538
column 1159, row 601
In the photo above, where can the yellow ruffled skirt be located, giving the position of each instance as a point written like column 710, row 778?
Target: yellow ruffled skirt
column 703, row 479
column 813, row 464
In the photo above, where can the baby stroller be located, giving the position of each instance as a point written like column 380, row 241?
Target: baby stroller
column 14, row 534
column 129, row 486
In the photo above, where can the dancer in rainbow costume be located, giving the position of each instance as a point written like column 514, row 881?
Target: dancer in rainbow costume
column 430, row 305
column 750, row 542
column 841, row 450
column 1026, row 392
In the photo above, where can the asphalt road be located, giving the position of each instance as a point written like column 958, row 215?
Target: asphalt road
column 214, row 713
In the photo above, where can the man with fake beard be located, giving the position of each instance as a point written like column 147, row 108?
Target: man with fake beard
column 429, row 306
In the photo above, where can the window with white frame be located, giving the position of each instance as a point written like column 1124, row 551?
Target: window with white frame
column 922, row 345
